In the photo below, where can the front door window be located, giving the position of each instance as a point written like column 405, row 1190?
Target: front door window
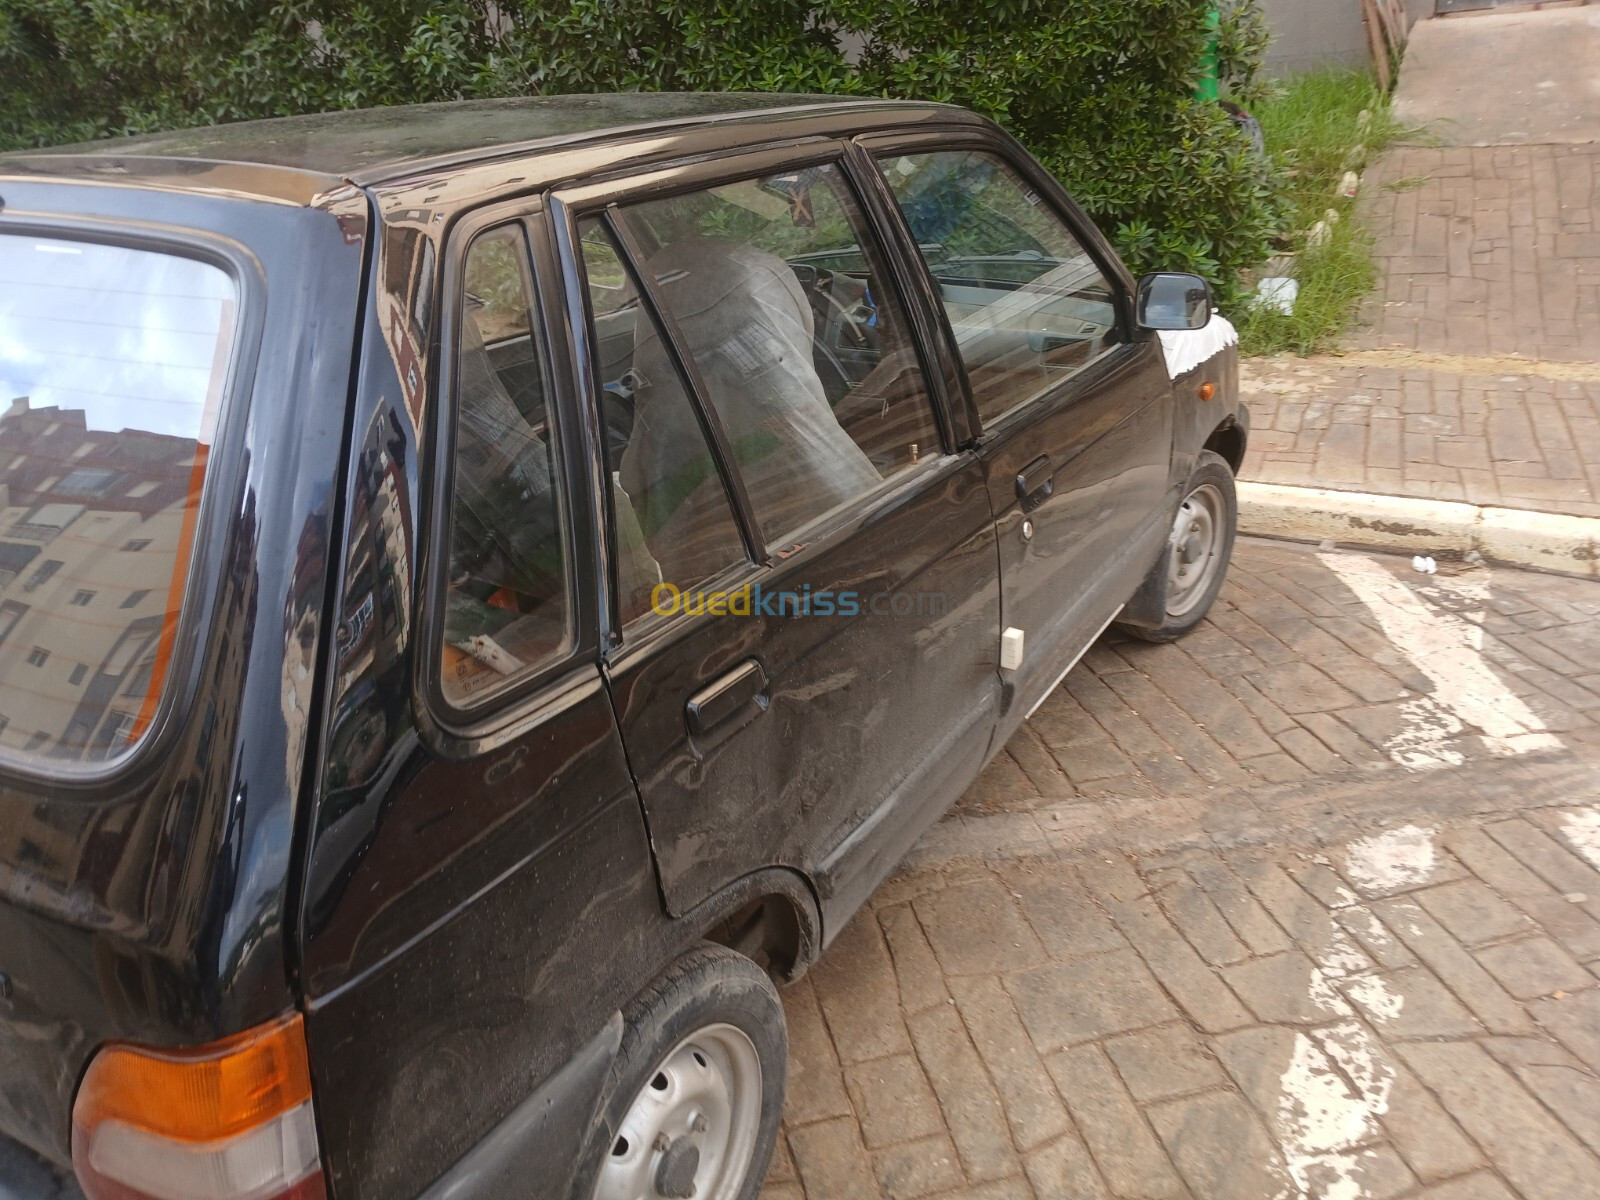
column 1027, row 303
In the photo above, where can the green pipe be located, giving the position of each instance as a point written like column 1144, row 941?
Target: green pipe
column 1209, row 88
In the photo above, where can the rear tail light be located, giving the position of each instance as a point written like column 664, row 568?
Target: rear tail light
column 228, row 1121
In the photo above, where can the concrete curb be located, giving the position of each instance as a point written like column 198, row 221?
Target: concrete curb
column 1511, row 536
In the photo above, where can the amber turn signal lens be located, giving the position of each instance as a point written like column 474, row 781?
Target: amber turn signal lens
column 1207, row 390
column 227, row 1121
column 203, row 1094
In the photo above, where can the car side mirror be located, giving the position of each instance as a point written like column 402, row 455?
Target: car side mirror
column 1170, row 300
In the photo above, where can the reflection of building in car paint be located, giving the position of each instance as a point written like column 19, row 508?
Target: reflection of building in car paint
column 377, row 611
column 376, row 615
column 91, row 525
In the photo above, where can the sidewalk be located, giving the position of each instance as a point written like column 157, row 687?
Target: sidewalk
column 1462, row 431
column 1477, row 375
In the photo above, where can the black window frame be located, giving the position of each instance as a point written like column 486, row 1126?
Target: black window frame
column 572, row 205
column 511, row 705
column 957, row 138
column 15, row 610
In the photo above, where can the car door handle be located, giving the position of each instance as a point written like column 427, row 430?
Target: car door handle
column 742, row 690
column 1036, row 481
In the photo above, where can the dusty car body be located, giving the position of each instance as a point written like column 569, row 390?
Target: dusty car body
column 437, row 818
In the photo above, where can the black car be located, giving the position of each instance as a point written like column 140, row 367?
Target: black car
column 487, row 588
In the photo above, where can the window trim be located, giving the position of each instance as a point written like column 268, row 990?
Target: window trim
column 941, row 365
column 879, row 146
column 529, row 693
column 568, row 207
column 225, row 467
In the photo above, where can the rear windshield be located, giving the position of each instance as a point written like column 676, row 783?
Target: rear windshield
column 112, row 361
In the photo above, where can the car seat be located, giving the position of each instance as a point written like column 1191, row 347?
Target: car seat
column 748, row 325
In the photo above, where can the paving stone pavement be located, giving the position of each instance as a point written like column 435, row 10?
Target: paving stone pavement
column 1476, row 375
column 1254, row 915
column 1487, row 250
column 1476, row 430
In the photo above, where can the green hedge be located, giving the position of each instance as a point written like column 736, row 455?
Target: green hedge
column 1100, row 91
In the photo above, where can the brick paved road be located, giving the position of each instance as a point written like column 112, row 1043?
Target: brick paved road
column 1254, row 915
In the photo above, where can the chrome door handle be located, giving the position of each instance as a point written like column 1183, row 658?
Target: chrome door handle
column 1036, row 482
column 741, row 690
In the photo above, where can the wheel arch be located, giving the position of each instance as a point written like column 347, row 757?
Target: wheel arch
column 1227, row 440
column 771, row 916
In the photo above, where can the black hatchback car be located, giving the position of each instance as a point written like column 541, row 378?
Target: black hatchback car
column 486, row 588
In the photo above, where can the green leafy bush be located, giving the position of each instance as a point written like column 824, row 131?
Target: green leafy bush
column 1101, row 93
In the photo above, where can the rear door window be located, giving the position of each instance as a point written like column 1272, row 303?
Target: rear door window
column 799, row 337
column 672, row 515
column 112, row 366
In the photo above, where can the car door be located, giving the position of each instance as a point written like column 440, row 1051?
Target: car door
column 478, row 893
column 1074, row 405
column 803, row 567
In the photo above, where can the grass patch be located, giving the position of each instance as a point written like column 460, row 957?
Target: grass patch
column 1315, row 131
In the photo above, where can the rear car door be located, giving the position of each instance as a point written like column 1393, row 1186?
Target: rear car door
column 477, row 835
column 1074, row 405
column 802, row 654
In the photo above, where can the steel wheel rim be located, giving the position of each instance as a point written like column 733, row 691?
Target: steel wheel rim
column 705, row 1095
column 1195, row 549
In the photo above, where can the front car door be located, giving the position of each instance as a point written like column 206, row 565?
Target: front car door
column 803, row 566
column 1074, row 404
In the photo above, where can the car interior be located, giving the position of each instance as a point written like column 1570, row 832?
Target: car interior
column 506, row 604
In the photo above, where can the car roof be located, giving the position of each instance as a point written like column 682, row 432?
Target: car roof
column 299, row 158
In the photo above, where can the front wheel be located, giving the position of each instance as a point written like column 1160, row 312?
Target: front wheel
column 1199, row 547
column 698, row 1084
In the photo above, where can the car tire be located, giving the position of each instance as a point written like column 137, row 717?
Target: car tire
column 697, row 1088
column 1198, row 549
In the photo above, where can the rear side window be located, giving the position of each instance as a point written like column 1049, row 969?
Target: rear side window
column 112, row 365
column 506, row 607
